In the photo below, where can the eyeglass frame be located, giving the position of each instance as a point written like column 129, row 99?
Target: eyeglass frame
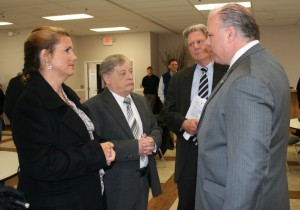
column 198, row 42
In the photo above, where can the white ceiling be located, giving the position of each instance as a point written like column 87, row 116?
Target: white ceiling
column 158, row 16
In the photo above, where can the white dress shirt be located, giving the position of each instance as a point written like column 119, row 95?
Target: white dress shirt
column 120, row 101
column 161, row 88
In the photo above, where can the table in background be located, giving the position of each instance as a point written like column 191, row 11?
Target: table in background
column 9, row 164
column 295, row 111
column 294, row 123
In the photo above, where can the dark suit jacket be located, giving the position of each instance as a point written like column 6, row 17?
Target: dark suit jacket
column 122, row 180
column 58, row 161
column 176, row 106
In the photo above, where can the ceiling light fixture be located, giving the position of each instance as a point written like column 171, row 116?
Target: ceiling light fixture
column 68, row 17
column 110, row 29
column 212, row 6
column 5, row 23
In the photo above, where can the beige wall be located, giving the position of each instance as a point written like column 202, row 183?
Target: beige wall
column 11, row 54
column 166, row 43
column 154, row 53
column 284, row 43
column 145, row 49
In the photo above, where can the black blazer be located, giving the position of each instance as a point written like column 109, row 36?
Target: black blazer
column 59, row 164
column 176, row 106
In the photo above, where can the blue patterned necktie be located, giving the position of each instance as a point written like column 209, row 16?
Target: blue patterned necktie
column 203, row 87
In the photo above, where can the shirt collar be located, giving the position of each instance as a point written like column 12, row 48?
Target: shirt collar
column 241, row 51
column 209, row 67
column 119, row 99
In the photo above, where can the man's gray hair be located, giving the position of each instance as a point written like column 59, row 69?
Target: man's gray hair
column 240, row 18
column 110, row 62
column 193, row 28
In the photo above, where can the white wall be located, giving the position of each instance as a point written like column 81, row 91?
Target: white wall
column 284, row 43
column 145, row 49
column 136, row 46
column 11, row 54
column 166, row 43
column 154, row 54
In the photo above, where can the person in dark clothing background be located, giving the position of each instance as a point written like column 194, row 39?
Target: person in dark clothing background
column 165, row 79
column 150, row 85
column 14, row 90
column 298, row 92
column 1, row 111
column 168, row 137
column 297, row 132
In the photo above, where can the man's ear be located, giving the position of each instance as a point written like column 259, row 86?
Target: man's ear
column 106, row 79
column 231, row 33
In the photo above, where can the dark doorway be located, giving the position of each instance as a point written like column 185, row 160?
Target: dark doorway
column 100, row 83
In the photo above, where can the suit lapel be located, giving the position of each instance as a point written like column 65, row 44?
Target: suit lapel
column 219, row 71
column 112, row 106
column 53, row 102
column 78, row 128
column 187, row 83
column 141, row 109
column 252, row 50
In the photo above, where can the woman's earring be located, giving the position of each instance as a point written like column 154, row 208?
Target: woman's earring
column 49, row 66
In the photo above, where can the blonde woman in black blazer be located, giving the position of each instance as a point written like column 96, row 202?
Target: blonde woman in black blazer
column 60, row 157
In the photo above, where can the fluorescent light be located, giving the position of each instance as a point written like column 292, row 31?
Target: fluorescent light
column 212, row 6
column 5, row 23
column 68, row 17
column 109, row 29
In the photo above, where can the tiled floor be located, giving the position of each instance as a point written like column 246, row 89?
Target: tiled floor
column 168, row 200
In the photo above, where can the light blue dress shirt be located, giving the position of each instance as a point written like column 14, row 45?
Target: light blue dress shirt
column 197, row 76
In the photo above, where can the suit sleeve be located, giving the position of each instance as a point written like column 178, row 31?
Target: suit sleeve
column 155, row 130
column 126, row 148
column 248, row 125
column 170, row 113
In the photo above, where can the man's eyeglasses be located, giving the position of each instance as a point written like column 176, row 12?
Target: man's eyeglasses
column 198, row 42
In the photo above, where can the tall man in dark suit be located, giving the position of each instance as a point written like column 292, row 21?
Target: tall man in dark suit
column 183, row 88
column 135, row 140
column 244, row 127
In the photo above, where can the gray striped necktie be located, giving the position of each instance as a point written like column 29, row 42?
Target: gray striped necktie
column 131, row 119
column 203, row 87
column 133, row 125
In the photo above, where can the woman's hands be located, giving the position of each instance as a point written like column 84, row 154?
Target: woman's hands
column 109, row 152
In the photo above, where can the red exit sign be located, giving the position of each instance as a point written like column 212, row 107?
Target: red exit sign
column 107, row 40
